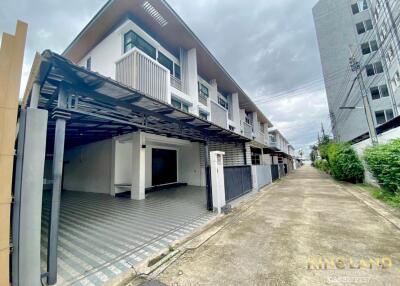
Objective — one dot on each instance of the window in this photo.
(223, 102)
(360, 28)
(131, 39)
(383, 116)
(255, 156)
(375, 68)
(375, 92)
(166, 62)
(248, 118)
(177, 71)
(378, 92)
(368, 25)
(203, 115)
(203, 90)
(361, 5)
(231, 128)
(179, 105)
(369, 47)
(380, 117)
(89, 63)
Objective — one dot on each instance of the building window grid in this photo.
(383, 116)
(363, 27)
(375, 68)
(359, 6)
(179, 104)
(369, 47)
(378, 92)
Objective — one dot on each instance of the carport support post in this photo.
(138, 166)
(58, 157)
(208, 178)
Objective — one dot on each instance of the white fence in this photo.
(261, 175)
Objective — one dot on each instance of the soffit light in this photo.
(154, 14)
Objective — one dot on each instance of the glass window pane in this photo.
(375, 92)
(360, 28)
(378, 67)
(185, 107)
(384, 91)
(374, 46)
(177, 71)
(146, 47)
(389, 114)
(368, 25)
(166, 62)
(369, 69)
(354, 8)
(175, 103)
(380, 117)
(365, 48)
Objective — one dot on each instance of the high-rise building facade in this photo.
(368, 31)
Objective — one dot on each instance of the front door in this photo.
(164, 167)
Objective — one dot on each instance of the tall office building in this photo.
(368, 31)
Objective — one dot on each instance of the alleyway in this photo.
(270, 243)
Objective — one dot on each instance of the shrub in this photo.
(322, 165)
(384, 163)
(344, 163)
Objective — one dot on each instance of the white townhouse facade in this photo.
(138, 132)
(367, 30)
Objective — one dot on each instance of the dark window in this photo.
(131, 39)
(203, 115)
(378, 67)
(231, 128)
(179, 105)
(223, 102)
(380, 117)
(374, 46)
(360, 28)
(355, 9)
(369, 69)
(166, 62)
(89, 64)
(364, 5)
(175, 103)
(177, 71)
(375, 92)
(248, 118)
(203, 90)
(365, 49)
(368, 25)
(255, 156)
(384, 90)
(389, 114)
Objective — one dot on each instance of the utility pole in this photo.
(355, 67)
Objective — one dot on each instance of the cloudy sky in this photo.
(269, 47)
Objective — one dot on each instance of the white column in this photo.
(138, 166)
(191, 79)
(217, 179)
(235, 111)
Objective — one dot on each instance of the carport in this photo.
(86, 108)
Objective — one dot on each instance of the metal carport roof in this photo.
(99, 107)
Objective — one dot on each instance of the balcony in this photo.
(139, 71)
(176, 83)
(203, 100)
(247, 130)
(260, 137)
(219, 115)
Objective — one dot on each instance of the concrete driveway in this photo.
(305, 230)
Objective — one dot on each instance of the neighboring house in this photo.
(281, 153)
(369, 31)
(136, 103)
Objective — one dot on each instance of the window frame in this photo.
(137, 41)
(203, 90)
(166, 62)
(203, 115)
(223, 102)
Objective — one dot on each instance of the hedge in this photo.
(341, 161)
(383, 162)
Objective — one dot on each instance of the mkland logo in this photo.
(340, 262)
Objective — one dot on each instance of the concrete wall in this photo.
(123, 163)
(88, 168)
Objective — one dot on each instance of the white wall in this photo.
(123, 163)
(88, 168)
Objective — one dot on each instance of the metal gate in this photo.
(237, 181)
(275, 172)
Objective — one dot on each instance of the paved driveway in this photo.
(287, 229)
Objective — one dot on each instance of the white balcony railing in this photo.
(261, 138)
(176, 82)
(219, 115)
(203, 100)
(247, 130)
(141, 72)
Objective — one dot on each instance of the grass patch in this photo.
(391, 198)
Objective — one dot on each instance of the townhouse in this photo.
(135, 116)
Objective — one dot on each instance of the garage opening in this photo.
(164, 167)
